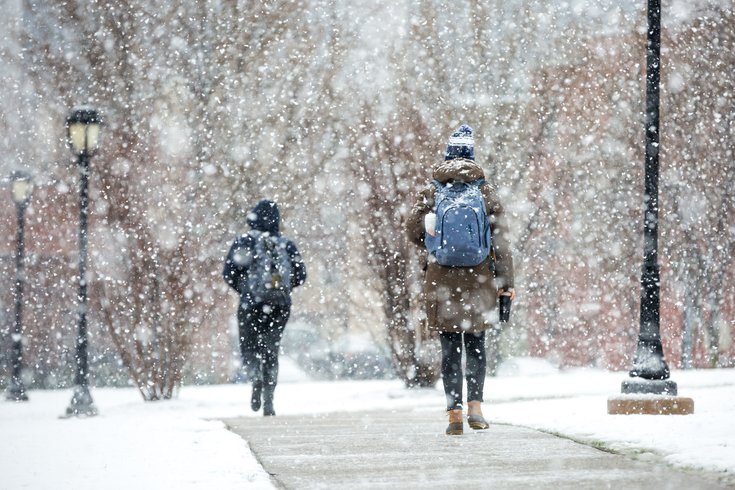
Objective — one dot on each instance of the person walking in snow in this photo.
(462, 283)
(263, 267)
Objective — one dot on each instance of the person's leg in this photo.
(452, 379)
(248, 329)
(251, 331)
(452, 368)
(476, 367)
(277, 319)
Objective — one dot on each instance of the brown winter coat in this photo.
(463, 299)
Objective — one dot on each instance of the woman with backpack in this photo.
(459, 219)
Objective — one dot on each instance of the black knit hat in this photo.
(461, 144)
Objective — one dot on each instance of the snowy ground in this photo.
(180, 444)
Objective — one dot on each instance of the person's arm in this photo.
(237, 262)
(504, 275)
(415, 221)
(298, 277)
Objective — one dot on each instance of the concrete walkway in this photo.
(409, 450)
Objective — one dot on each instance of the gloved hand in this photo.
(506, 298)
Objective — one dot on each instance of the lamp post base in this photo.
(649, 360)
(81, 403)
(16, 391)
(649, 405)
(649, 397)
(638, 386)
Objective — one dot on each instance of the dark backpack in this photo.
(269, 274)
(462, 225)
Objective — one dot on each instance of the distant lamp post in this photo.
(21, 187)
(83, 128)
(650, 391)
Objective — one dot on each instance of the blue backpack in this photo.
(462, 225)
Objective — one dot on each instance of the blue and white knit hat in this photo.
(461, 144)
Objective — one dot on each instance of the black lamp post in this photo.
(83, 126)
(21, 187)
(650, 370)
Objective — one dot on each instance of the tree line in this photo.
(337, 112)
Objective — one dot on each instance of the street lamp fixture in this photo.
(21, 187)
(83, 129)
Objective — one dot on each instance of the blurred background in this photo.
(337, 110)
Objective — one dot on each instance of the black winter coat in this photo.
(264, 218)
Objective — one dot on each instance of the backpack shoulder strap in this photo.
(438, 188)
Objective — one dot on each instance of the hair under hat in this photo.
(461, 144)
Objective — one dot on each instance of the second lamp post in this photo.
(21, 187)
(83, 126)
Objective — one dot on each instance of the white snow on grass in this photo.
(130, 445)
(704, 440)
(181, 444)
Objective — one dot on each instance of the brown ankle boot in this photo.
(456, 425)
(475, 419)
(477, 422)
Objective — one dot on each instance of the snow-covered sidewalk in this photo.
(181, 444)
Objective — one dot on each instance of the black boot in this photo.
(268, 401)
(255, 398)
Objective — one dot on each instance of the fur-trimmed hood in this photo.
(459, 169)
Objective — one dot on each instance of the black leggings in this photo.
(474, 344)
(261, 328)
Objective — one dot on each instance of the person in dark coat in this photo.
(459, 300)
(261, 322)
